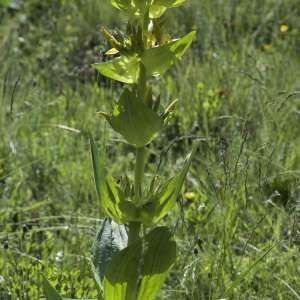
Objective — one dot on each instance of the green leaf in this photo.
(156, 11)
(124, 69)
(98, 165)
(106, 187)
(159, 256)
(185, 169)
(110, 197)
(130, 211)
(127, 266)
(169, 3)
(165, 197)
(161, 201)
(134, 120)
(132, 7)
(121, 276)
(158, 59)
(50, 291)
(111, 238)
(122, 4)
(158, 7)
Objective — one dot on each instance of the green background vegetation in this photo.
(238, 222)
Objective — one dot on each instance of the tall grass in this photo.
(238, 225)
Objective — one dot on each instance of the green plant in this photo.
(134, 266)
(132, 255)
(236, 213)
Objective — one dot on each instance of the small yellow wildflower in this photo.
(190, 196)
(284, 28)
(267, 46)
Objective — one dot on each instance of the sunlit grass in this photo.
(238, 222)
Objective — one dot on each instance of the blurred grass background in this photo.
(237, 225)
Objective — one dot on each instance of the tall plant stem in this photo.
(134, 227)
(134, 232)
(139, 173)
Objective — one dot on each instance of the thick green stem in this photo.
(134, 227)
(139, 173)
(134, 232)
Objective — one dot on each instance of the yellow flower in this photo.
(267, 46)
(190, 196)
(284, 28)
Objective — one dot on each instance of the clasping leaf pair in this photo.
(122, 209)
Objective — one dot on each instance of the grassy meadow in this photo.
(237, 224)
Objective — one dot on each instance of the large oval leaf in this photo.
(134, 274)
(121, 276)
(110, 239)
(124, 69)
(158, 59)
(160, 254)
(134, 120)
